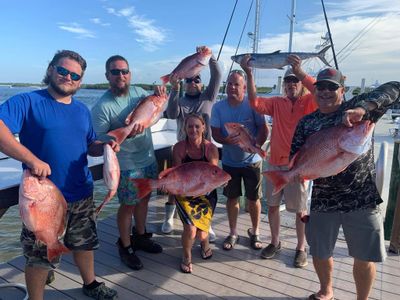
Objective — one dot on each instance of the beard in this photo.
(120, 91)
(60, 90)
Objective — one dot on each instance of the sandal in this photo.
(230, 242)
(206, 254)
(255, 241)
(315, 297)
(186, 266)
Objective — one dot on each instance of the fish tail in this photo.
(165, 79)
(56, 250)
(107, 199)
(278, 180)
(321, 55)
(120, 134)
(143, 185)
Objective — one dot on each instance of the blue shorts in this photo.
(127, 191)
(363, 232)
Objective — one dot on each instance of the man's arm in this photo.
(219, 138)
(307, 80)
(211, 92)
(372, 105)
(97, 147)
(173, 100)
(11, 147)
(262, 134)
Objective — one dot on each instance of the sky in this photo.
(155, 35)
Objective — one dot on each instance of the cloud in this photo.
(77, 29)
(97, 21)
(149, 36)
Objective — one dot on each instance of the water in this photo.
(10, 223)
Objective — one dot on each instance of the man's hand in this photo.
(160, 90)
(137, 129)
(232, 139)
(39, 168)
(295, 63)
(114, 145)
(244, 64)
(174, 80)
(352, 116)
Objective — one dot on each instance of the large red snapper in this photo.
(325, 153)
(191, 65)
(246, 141)
(43, 210)
(111, 172)
(147, 113)
(190, 179)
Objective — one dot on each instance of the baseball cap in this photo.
(289, 73)
(331, 75)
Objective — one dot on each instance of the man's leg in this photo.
(232, 208)
(168, 224)
(300, 232)
(324, 269)
(140, 214)
(140, 240)
(35, 278)
(274, 224)
(124, 222)
(364, 275)
(255, 212)
(84, 260)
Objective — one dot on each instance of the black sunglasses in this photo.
(291, 79)
(64, 72)
(327, 86)
(195, 80)
(117, 72)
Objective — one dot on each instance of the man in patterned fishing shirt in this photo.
(349, 199)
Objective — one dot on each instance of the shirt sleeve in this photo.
(13, 112)
(101, 123)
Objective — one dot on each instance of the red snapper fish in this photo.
(43, 210)
(147, 113)
(191, 179)
(191, 65)
(325, 153)
(246, 141)
(111, 173)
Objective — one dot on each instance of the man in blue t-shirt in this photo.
(238, 163)
(56, 135)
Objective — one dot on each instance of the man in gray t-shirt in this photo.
(194, 100)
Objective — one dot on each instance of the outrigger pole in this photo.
(330, 36)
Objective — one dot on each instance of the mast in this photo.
(256, 27)
(292, 19)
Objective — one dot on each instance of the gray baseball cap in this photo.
(289, 73)
(331, 75)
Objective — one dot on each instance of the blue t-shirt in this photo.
(58, 134)
(222, 113)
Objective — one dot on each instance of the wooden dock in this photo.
(236, 274)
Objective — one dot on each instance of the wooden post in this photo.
(392, 218)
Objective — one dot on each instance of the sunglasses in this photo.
(64, 72)
(195, 80)
(291, 79)
(240, 72)
(327, 86)
(117, 72)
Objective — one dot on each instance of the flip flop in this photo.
(186, 267)
(230, 242)
(206, 254)
(314, 297)
(255, 241)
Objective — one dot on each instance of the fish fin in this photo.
(321, 55)
(143, 185)
(291, 162)
(281, 68)
(120, 134)
(276, 52)
(165, 79)
(166, 172)
(278, 180)
(57, 250)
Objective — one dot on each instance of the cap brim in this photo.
(328, 80)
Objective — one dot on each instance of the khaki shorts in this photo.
(252, 179)
(80, 234)
(363, 231)
(295, 194)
